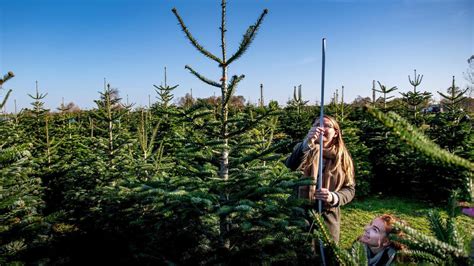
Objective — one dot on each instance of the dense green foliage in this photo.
(142, 186)
(205, 183)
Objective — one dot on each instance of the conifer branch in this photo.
(233, 84)
(247, 39)
(164, 88)
(437, 226)
(251, 124)
(5, 99)
(359, 253)
(195, 112)
(194, 41)
(452, 233)
(38, 96)
(6, 77)
(202, 78)
(384, 89)
(428, 244)
(341, 257)
(417, 80)
(417, 140)
(421, 256)
(455, 99)
(256, 155)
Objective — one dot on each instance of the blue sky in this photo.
(70, 46)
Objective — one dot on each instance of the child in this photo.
(376, 239)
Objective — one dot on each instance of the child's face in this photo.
(374, 234)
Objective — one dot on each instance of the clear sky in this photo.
(70, 46)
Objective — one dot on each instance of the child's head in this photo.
(377, 233)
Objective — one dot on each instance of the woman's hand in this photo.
(323, 194)
(313, 135)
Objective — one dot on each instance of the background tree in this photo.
(186, 101)
(361, 101)
(297, 102)
(23, 228)
(415, 100)
(165, 92)
(384, 90)
(453, 100)
(109, 113)
(338, 108)
(298, 117)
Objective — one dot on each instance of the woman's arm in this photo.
(294, 160)
(309, 143)
(344, 195)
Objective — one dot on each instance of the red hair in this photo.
(391, 230)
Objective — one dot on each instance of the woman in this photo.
(376, 239)
(338, 186)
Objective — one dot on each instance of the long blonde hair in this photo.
(342, 161)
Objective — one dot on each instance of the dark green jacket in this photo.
(383, 258)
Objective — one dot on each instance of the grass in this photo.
(359, 213)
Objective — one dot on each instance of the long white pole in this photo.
(321, 124)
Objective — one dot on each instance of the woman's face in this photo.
(374, 234)
(330, 132)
